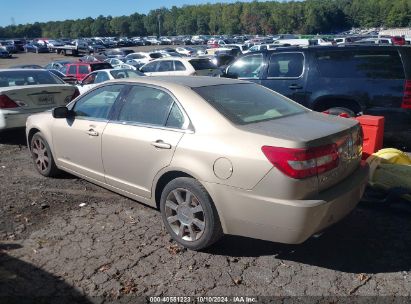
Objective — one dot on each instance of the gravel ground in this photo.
(115, 248)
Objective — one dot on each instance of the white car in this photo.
(114, 61)
(139, 58)
(97, 77)
(186, 51)
(175, 66)
(27, 91)
(124, 66)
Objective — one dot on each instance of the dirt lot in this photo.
(115, 248)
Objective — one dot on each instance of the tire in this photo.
(192, 222)
(341, 111)
(42, 157)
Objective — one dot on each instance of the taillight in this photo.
(305, 162)
(406, 100)
(75, 94)
(7, 103)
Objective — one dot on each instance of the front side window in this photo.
(101, 77)
(98, 103)
(90, 79)
(72, 70)
(248, 103)
(288, 65)
(149, 67)
(146, 105)
(247, 67)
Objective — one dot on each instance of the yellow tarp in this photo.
(390, 168)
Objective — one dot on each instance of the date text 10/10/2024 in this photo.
(205, 299)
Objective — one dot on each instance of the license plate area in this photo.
(44, 100)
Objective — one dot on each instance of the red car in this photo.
(397, 40)
(79, 70)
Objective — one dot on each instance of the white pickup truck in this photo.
(77, 47)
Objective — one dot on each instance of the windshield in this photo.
(248, 103)
(28, 77)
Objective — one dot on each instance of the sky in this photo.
(30, 11)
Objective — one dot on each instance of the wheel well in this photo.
(325, 104)
(164, 180)
(31, 134)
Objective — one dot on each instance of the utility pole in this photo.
(159, 25)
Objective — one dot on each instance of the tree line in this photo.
(299, 17)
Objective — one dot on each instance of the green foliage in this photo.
(270, 17)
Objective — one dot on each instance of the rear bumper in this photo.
(247, 214)
(10, 119)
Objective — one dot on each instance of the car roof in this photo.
(351, 46)
(18, 68)
(186, 81)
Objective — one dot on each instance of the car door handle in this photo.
(92, 132)
(295, 87)
(161, 144)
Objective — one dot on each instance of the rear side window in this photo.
(179, 66)
(202, 64)
(288, 65)
(73, 70)
(83, 69)
(248, 103)
(165, 66)
(374, 64)
(146, 105)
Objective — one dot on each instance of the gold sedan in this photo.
(216, 156)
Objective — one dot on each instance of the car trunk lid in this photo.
(39, 96)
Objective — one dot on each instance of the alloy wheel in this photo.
(40, 155)
(185, 214)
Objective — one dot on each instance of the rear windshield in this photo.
(100, 66)
(202, 64)
(375, 64)
(248, 103)
(27, 77)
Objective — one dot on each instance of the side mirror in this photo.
(79, 82)
(62, 112)
(228, 74)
